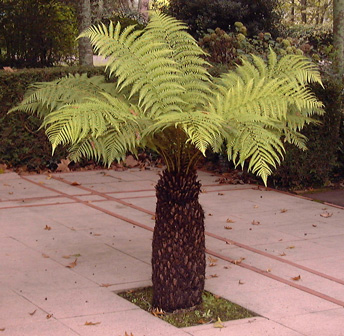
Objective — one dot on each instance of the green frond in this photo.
(43, 98)
(91, 119)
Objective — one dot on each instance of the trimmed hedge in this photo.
(21, 143)
(315, 166)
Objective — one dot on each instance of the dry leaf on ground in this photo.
(282, 254)
(49, 316)
(241, 282)
(228, 220)
(212, 260)
(75, 184)
(220, 194)
(297, 278)
(73, 264)
(45, 255)
(228, 227)
(283, 210)
(106, 285)
(33, 313)
(254, 222)
(214, 276)
(157, 312)
(48, 228)
(126, 334)
(218, 324)
(326, 214)
(2, 329)
(91, 323)
(63, 166)
(238, 261)
(290, 247)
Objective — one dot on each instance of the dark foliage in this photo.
(201, 15)
(21, 144)
(315, 166)
(36, 33)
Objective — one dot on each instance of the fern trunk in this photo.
(178, 256)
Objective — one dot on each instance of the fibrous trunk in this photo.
(178, 257)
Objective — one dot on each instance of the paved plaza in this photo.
(71, 241)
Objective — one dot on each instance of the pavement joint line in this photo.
(238, 244)
(215, 254)
(277, 278)
(33, 205)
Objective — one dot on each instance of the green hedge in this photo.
(21, 144)
(315, 166)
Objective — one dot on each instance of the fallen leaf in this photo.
(73, 264)
(225, 267)
(41, 182)
(214, 276)
(91, 323)
(218, 324)
(97, 234)
(280, 239)
(228, 228)
(126, 334)
(282, 254)
(283, 210)
(220, 194)
(290, 247)
(131, 162)
(212, 260)
(48, 177)
(212, 265)
(204, 191)
(201, 321)
(241, 282)
(157, 312)
(210, 214)
(228, 220)
(45, 255)
(297, 278)
(326, 214)
(153, 218)
(238, 261)
(8, 69)
(106, 285)
(254, 222)
(314, 225)
(268, 270)
(48, 228)
(66, 257)
(75, 184)
(255, 206)
(2, 329)
(49, 316)
(63, 166)
(33, 313)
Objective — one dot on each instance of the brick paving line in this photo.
(215, 254)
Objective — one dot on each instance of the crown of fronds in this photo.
(162, 89)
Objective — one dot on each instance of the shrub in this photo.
(21, 143)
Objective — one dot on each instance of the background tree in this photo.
(165, 100)
(36, 33)
(201, 15)
(338, 35)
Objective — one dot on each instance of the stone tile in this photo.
(65, 303)
(136, 322)
(246, 327)
(49, 327)
(324, 323)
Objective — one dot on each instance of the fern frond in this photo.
(43, 98)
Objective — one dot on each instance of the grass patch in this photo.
(213, 308)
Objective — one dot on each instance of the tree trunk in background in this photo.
(178, 256)
(292, 11)
(85, 20)
(303, 11)
(338, 35)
